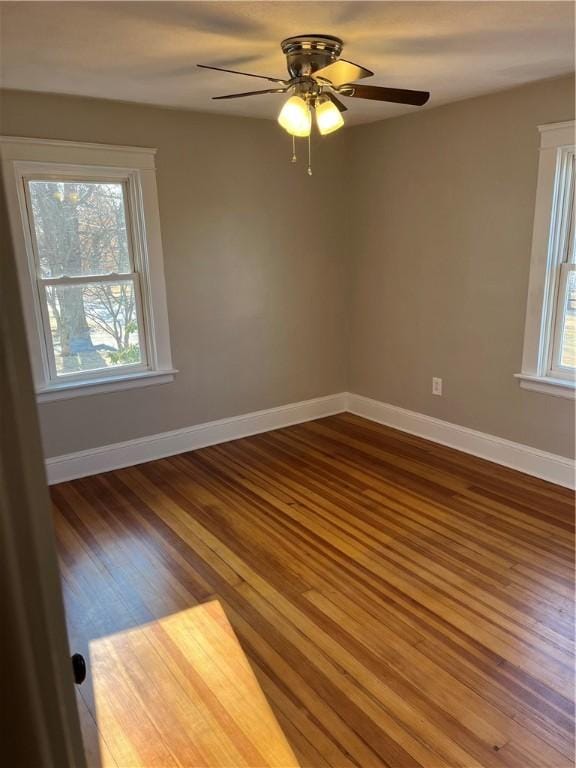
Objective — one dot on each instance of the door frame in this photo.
(43, 727)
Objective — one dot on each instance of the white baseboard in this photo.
(107, 457)
(548, 466)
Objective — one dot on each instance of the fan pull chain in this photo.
(309, 156)
(293, 158)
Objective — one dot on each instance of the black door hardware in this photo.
(79, 668)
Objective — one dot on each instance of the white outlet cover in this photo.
(436, 386)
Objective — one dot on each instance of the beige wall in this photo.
(442, 222)
(253, 260)
(413, 236)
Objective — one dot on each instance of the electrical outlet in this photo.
(436, 386)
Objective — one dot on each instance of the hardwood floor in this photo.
(179, 691)
(402, 604)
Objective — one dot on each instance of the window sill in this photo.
(558, 387)
(78, 389)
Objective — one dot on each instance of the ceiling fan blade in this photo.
(337, 103)
(246, 74)
(251, 93)
(397, 95)
(341, 72)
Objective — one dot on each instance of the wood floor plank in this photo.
(440, 577)
(402, 604)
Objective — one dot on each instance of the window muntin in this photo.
(88, 284)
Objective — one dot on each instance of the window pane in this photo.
(80, 227)
(94, 326)
(568, 348)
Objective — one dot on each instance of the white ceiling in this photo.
(147, 51)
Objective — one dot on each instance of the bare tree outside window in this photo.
(81, 232)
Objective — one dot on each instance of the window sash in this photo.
(69, 177)
(559, 252)
(556, 369)
(92, 374)
(565, 211)
(562, 230)
(44, 331)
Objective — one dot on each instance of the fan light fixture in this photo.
(295, 117)
(317, 78)
(328, 117)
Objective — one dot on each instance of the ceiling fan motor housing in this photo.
(306, 54)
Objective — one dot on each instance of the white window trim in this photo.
(548, 240)
(22, 157)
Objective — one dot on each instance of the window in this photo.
(86, 229)
(549, 360)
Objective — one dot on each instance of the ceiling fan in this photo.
(318, 77)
